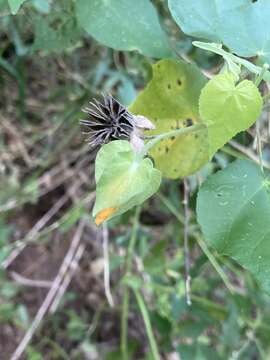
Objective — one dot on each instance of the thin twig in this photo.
(35, 230)
(18, 141)
(186, 247)
(30, 282)
(106, 258)
(250, 154)
(51, 293)
(68, 277)
(53, 176)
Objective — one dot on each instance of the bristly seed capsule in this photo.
(109, 120)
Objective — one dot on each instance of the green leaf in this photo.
(227, 108)
(239, 24)
(15, 5)
(198, 18)
(230, 328)
(124, 25)
(122, 180)
(233, 210)
(170, 101)
(196, 351)
(42, 5)
(4, 8)
(57, 31)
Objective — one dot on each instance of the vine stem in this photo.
(258, 138)
(147, 324)
(202, 245)
(259, 145)
(214, 263)
(260, 76)
(177, 132)
(186, 247)
(126, 295)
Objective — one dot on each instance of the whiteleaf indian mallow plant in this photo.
(182, 118)
(178, 124)
(193, 118)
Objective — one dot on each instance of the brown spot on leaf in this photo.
(189, 122)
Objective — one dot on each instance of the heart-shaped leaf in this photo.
(227, 108)
(239, 24)
(124, 25)
(170, 101)
(122, 180)
(233, 209)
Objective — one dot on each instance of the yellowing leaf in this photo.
(170, 101)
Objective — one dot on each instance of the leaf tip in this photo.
(103, 215)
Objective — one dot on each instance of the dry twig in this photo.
(52, 292)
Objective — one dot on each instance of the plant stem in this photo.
(258, 138)
(125, 304)
(202, 244)
(171, 208)
(124, 324)
(215, 264)
(186, 247)
(147, 324)
(261, 74)
(182, 131)
(259, 145)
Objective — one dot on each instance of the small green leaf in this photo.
(227, 108)
(15, 5)
(124, 25)
(170, 101)
(122, 180)
(233, 209)
(233, 61)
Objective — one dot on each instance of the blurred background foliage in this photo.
(49, 69)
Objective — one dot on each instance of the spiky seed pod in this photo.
(107, 121)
